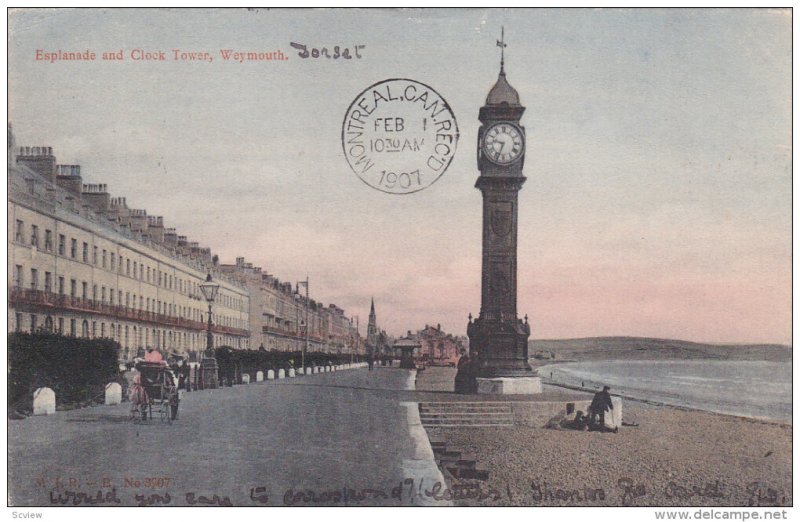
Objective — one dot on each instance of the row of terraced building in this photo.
(84, 264)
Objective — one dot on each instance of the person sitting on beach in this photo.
(601, 402)
(562, 422)
(580, 422)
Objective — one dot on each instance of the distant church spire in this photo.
(372, 327)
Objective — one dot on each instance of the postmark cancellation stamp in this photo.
(399, 136)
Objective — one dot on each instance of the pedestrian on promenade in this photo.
(461, 373)
(473, 367)
(138, 397)
(370, 362)
(183, 375)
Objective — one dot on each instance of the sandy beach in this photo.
(674, 457)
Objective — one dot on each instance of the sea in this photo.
(756, 389)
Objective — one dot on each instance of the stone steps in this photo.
(465, 414)
(457, 465)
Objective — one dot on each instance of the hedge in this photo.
(76, 369)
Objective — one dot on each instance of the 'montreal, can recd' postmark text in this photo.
(399, 136)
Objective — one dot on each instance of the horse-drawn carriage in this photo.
(154, 390)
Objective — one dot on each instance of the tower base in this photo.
(509, 386)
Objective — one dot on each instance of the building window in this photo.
(128, 267)
(85, 252)
(72, 327)
(48, 240)
(18, 277)
(73, 287)
(84, 288)
(119, 301)
(111, 295)
(102, 329)
(104, 258)
(35, 236)
(103, 294)
(48, 282)
(62, 244)
(18, 321)
(19, 231)
(112, 261)
(94, 256)
(61, 325)
(61, 285)
(85, 328)
(48, 324)
(33, 323)
(134, 269)
(73, 248)
(34, 278)
(94, 329)
(127, 299)
(94, 294)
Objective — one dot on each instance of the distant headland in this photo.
(646, 348)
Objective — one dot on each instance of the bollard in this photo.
(44, 401)
(292, 372)
(259, 376)
(113, 393)
(246, 378)
(281, 373)
(270, 375)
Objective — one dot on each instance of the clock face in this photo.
(503, 143)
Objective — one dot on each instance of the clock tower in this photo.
(498, 335)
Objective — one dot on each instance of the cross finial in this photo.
(501, 43)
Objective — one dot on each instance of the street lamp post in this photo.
(208, 366)
(305, 348)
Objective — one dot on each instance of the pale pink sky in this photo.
(658, 200)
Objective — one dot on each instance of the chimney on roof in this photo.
(40, 160)
(96, 195)
(69, 177)
(171, 238)
(155, 227)
(139, 220)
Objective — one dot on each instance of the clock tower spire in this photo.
(498, 335)
(501, 43)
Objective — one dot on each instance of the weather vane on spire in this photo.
(501, 43)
